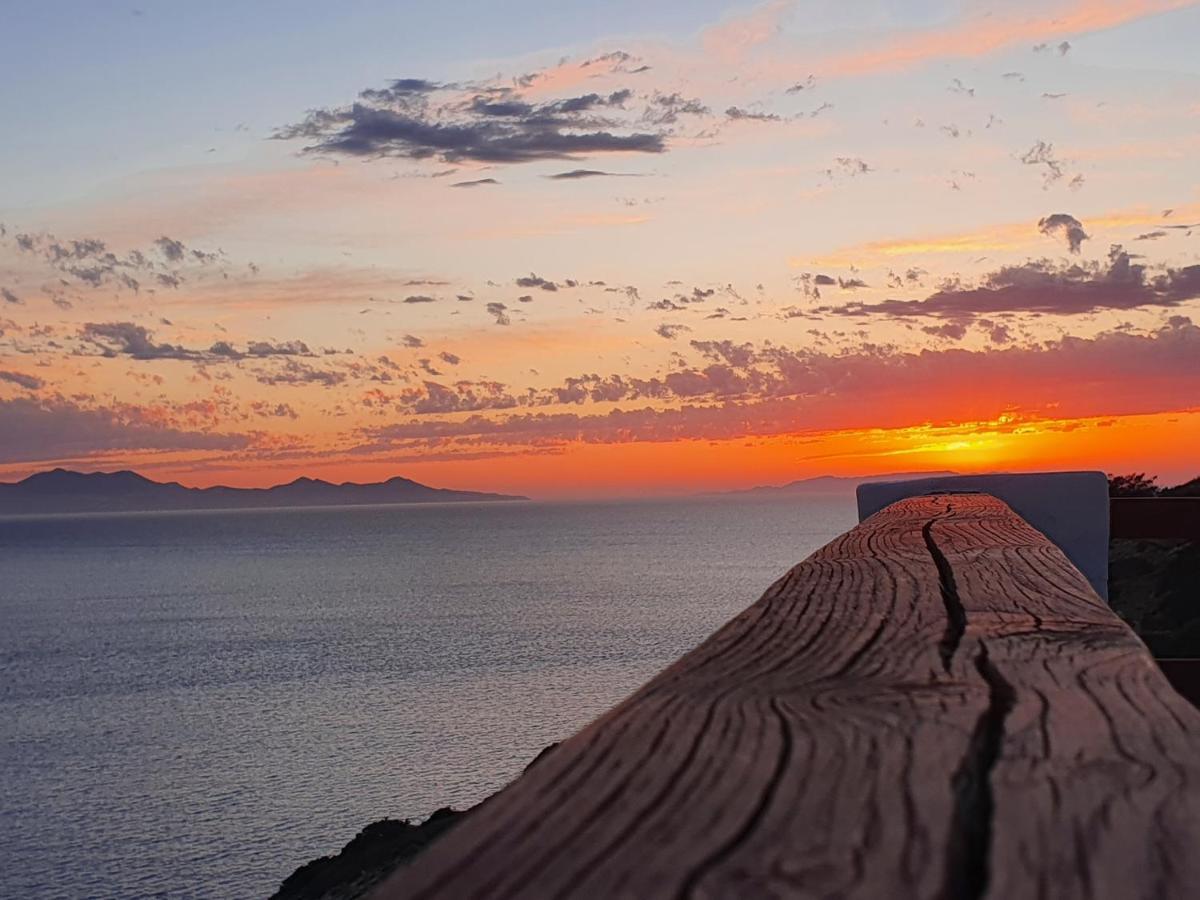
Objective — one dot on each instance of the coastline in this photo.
(374, 853)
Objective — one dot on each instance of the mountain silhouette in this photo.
(62, 490)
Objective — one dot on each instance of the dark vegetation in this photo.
(1154, 585)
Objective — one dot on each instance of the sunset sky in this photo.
(578, 249)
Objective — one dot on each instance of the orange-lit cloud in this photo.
(986, 34)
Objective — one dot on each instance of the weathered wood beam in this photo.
(936, 704)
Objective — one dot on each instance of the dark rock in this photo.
(369, 858)
(373, 854)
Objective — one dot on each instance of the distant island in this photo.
(827, 484)
(63, 491)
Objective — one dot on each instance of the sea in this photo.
(192, 704)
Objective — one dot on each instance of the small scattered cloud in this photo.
(500, 312)
(536, 281)
(578, 174)
(1065, 226)
(670, 332)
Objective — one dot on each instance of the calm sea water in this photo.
(193, 704)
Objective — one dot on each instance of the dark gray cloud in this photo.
(736, 113)
(500, 311)
(419, 298)
(411, 340)
(1044, 287)
(1065, 226)
(173, 250)
(576, 174)
(128, 339)
(417, 119)
(536, 281)
(665, 109)
(9, 297)
(20, 379)
(478, 182)
(296, 373)
(951, 331)
(136, 341)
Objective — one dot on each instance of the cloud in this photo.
(737, 113)
(1044, 287)
(665, 109)
(670, 332)
(56, 428)
(1066, 226)
(499, 310)
(9, 297)
(128, 339)
(20, 379)
(296, 373)
(985, 32)
(536, 281)
(1053, 168)
(173, 250)
(478, 182)
(136, 341)
(419, 298)
(749, 390)
(952, 331)
(576, 174)
(410, 340)
(478, 123)
(91, 262)
(268, 410)
(434, 398)
(847, 166)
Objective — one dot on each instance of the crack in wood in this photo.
(956, 616)
(969, 850)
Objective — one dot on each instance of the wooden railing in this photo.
(936, 704)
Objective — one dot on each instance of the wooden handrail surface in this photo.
(935, 705)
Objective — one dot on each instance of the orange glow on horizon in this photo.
(1162, 443)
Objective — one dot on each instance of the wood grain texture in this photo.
(936, 704)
